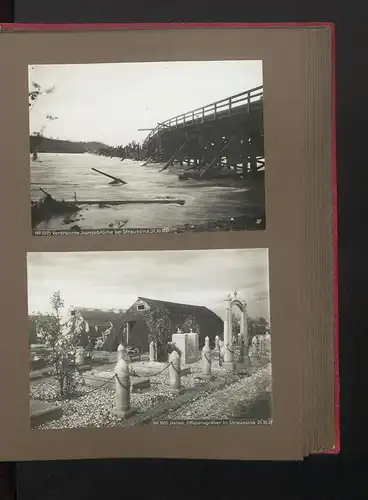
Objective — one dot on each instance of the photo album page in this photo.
(168, 272)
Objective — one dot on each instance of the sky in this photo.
(110, 102)
(114, 280)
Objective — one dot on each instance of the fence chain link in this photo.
(135, 374)
(209, 360)
(121, 383)
(177, 371)
(94, 389)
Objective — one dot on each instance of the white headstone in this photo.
(254, 347)
(188, 345)
(153, 351)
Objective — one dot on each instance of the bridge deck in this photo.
(243, 104)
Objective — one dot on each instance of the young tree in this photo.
(48, 325)
(160, 329)
(34, 92)
(63, 341)
(191, 323)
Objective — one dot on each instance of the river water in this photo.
(67, 175)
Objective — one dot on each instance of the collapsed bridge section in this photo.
(227, 133)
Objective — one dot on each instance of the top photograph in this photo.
(146, 147)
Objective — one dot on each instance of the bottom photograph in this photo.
(127, 338)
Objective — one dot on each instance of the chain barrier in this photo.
(221, 357)
(209, 360)
(135, 374)
(94, 389)
(177, 371)
(230, 351)
(121, 383)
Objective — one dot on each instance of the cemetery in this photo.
(222, 378)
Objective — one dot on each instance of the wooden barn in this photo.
(149, 319)
(98, 321)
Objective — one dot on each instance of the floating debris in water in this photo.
(48, 207)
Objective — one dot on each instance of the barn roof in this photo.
(175, 307)
(100, 317)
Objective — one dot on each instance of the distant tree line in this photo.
(131, 151)
(42, 144)
(49, 145)
(256, 326)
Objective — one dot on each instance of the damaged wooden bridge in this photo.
(226, 135)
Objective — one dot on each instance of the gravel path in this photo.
(226, 403)
(92, 408)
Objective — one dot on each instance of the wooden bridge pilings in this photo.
(225, 133)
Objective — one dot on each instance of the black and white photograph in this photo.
(126, 338)
(146, 147)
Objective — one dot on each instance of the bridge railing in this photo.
(225, 107)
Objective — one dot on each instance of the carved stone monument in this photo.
(188, 345)
(230, 302)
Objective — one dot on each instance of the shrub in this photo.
(63, 341)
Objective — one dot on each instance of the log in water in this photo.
(115, 179)
(126, 202)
